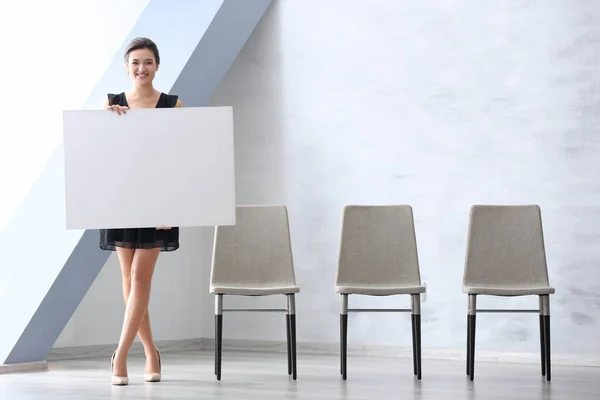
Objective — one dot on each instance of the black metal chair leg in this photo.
(418, 335)
(293, 346)
(468, 345)
(218, 344)
(414, 342)
(547, 346)
(542, 345)
(344, 344)
(341, 345)
(289, 343)
(472, 323)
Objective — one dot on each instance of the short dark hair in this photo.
(142, 43)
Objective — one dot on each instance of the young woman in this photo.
(138, 248)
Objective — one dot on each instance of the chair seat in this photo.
(508, 291)
(253, 291)
(378, 290)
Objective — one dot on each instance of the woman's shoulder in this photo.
(168, 100)
(171, 99)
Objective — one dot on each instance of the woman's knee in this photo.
(140, 275)
(127, 279)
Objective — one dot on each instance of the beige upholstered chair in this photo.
(506, 257)
(254, 258)
(378, 257)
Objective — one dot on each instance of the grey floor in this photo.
(264, 376)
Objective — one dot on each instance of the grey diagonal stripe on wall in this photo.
(198, 41)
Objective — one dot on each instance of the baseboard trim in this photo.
(206, 344)
(106, 350)
(35, 366)
(403, 352)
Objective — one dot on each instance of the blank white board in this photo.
(149, 167)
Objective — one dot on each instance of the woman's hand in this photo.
(163, 228)
(118, 109)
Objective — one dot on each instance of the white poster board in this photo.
(149, 168)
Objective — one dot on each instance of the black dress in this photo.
(141, 238)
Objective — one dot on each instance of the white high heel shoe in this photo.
(117, 380)
(154, 376)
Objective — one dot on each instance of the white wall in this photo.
(61, 66)
(440, 105)
(437, 104)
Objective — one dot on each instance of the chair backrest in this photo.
(505, 247)
(378, 246)
(256, 251)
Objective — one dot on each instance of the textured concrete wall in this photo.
(438, 104)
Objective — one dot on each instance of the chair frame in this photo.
(289, 310)
(544, 317)
(415, 311)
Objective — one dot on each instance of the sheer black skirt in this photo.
(140, 238)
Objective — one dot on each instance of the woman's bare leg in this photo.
(142, 269)
(144, 332)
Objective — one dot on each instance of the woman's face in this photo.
(142, 66)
